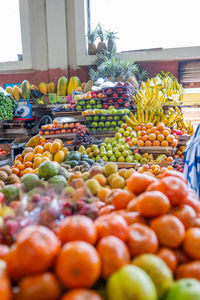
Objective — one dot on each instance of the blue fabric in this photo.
(192, 162)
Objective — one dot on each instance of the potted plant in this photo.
(101, 34)
(92, 49)
(111, 38)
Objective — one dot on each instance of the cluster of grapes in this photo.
(47, 209)
(82, 137)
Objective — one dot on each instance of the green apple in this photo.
(113, 158)
(139, 133)
(102, 153)
(99, 106)
(125, 153)
(102, 118)
(101, 124)
(129, 159)
(116, 118)
(121, 159)
(96, 152)
(130, 152)
(92, 101)
(99, 129)
(120, 111)
(107, 123)
(129, 129)
(109, 118)
(126, 133)
(120, 122)
(96, 118)
(118, 135)
(130, 282)
(89, 106)
(94, 147)
(109, 153)
(89, 118)
(114, 144)
(133, 134)
(121, 130)
(143, 160)
(184, 289)
(117, 127)
(103, 145)
(113, 123)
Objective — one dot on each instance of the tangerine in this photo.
(169, 258)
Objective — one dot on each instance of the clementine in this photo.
(137, 183)
(112, 224)
(191, 244)
(186, 214)
(78, 265)
(113, 253)
(81, 294)
(169, 229)
(189, 270)
(169, 258)
(142, 239)
(120, 198)
(152, 204)
(5, 284)
(76, 228)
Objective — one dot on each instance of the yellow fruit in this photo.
(55, 147)
(38, 155)
(48, 155)
(38, 149)
(45, 159)
(28, 171)
(35, 171)
(37, 161)
(47, 146)
(65, 150)
(34, 141)
(61, 143)
(27, 150)
(43, 88)
(29, 157)
(59, 156)
(6, 211)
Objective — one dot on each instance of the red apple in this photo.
(115, 95)
(128, 139)
(124, 125)
(125, 95)
(57, 132)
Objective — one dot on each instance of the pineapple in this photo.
(101, 45)
(88, 86)
(92, 49)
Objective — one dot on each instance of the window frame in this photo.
(26, 63)
(160, 54)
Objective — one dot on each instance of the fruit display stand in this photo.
(6, 158)
(157, 150)
(124, 165)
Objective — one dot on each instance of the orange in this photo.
(156, 143)
(77, 227)
(157, 132)
(170, 231)
(106, 209)
(145, 137)
(161, 126)
(131, 217)
(149, 125)
(186, 214)
(170, 138)
(169, 258)
(138, 128)
(142, 239)
(112, 225)
(142, 133)
(166, 132)
(152, 137)
(137, 183)
(160, 137)
(44, 247)
(81, 294)
(153, 129)
(148, 144)
(191, 245)
(113, 253)
(140, 143)
(152, 204)
(19, 157)
(120, 198)
(103, 193)
(43, 286)
(164, 144)
(5, 284)
(180, 256)
(14, 269)
(4, 250)
(189, 270)
(78, 265)
(170, 158)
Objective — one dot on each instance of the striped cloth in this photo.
(192, 162)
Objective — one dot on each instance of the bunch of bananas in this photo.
(145, 116)
(163, 89)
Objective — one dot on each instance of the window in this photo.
(10, 31)
(144, 24)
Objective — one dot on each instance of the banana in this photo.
(138, 116)
(130, 122)
(146, 116)
(142, 115)
(135, 120)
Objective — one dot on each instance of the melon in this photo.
(51, 87)
(26, 89)
(74, 83)
(62, 86)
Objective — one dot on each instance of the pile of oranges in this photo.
(149, 135)
(154, 169)
(158, 216)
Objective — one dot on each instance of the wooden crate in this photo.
(5, 147)
(126, 165)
